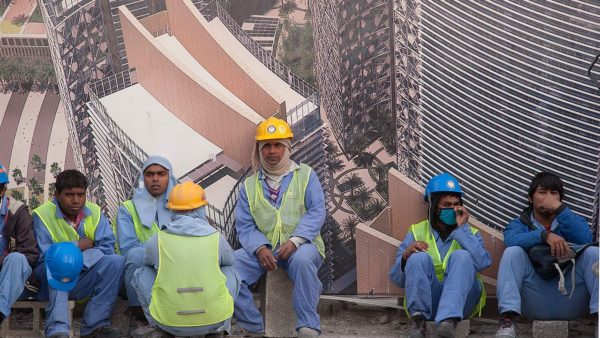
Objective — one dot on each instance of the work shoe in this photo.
(446, 328)
(105, 332)
(305, 332)
(59, 335)
(148, 331)
(416, 326)
(237, 330)
(507, 328)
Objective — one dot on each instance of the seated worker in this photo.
(70, 218)
(521, 290)
(18, 250)
(279, 215)
(140, 218)
(438, 262)
(188, 284)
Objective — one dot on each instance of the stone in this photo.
(276, 305)
(462, 329)
(550, 328)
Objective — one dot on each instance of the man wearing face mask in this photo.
(139, 218)
(279, 216)
(438, 261)
(521, 290)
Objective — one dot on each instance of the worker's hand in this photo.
(416, 246)
(266, 259)
(286, 250)
(85, 243)
(558, 246)
(462, 215)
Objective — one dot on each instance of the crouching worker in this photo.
(438, 261)
(188, 285)
(69, 218)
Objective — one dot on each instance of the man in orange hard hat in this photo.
(279, 216)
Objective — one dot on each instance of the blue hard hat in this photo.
(443, 182)
(64, 263)
(3, 175)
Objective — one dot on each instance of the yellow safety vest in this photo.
(190, 288)
(60, 230)
(142, 232)
(422, 232)
(278, 225)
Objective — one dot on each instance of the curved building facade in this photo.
(505, 94)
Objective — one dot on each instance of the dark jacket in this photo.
(572, 227)
(18, 231)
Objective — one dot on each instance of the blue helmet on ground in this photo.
(443, 182)
(3, 175)
(64, 263)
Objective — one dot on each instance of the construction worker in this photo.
(18, 250)
(279, 215)
(70, 218)
(140, 218)
(438, 261)
(521, 290)
(188, 284)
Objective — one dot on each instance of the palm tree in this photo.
(335, 165)
(36, 162)
(363, 196)
(354, 181)
(17, 175)
(350, 226)
(375, 208)
(17, 195)
(35, 188)
(55, 169)
(364, 159)
(381, 170)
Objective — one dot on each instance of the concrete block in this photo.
(37, 330)
(276, 305)
(462, 329)
(550, 329)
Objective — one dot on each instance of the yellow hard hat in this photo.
(186, 196)
(273, 129)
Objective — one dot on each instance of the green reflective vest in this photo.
(278, 225)
(422, 232)
(190, 288)
(60, 230)
(142, 233)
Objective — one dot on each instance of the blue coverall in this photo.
(521, 290)
(101, 278)
(302, 266)
(459, 292)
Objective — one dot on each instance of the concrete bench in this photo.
(276, 304)
(462, 329)
(36, 329)
(550, 328)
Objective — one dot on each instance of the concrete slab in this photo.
(550, 329)
(276, 305)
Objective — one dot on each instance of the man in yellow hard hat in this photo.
(279, 216)
(188, 284)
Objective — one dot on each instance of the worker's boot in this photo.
(447, 328)
(508, 328)
(416, 326)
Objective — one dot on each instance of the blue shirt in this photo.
(104, 241)
(3, 213)
(308, 228)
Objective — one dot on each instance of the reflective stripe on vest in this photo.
(190, 288)
(278, 225)
(60, 230)
(422, 232)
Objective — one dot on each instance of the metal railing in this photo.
(212, 9)
(114, 83)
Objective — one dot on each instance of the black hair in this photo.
(71, 178)
(547, 180)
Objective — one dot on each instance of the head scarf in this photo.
(278, 169)
(148, 207)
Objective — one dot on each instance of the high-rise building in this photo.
(492, 92)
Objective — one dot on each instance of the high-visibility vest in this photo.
(422, 232)
(190, 288)
(142, 232)
(278, 225)
(60, 230)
